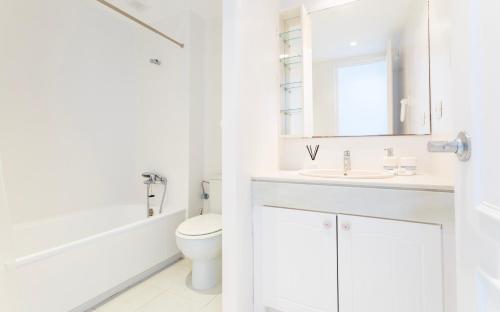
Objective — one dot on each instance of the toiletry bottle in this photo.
(407, 166)
(391, 162)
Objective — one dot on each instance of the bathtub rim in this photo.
(23, 261)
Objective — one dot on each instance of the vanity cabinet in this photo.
(324, 262)
(299, 260)
(389, 266)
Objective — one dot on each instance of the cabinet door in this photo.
(389, 266)
(299, 260)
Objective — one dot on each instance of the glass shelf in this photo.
(295, 34)
(291, 85)
(289, 111)
(290, 60)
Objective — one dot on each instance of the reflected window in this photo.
(362, 104)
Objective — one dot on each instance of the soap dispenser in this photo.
(391, 162)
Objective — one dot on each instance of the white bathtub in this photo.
(72, 263)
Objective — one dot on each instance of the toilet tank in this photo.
(215, 199)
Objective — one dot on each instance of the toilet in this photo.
(200, 239)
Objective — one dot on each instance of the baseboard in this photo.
(93, 303)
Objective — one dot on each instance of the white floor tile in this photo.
(177, 280)
(171, 276)
(214, 306)
(167, 291)
(186, 291)
(131, 299)
(169, 302)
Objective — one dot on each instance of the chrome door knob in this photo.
(461, 146)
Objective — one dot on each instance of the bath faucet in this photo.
(347, 162)
(153, 178)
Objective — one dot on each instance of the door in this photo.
(299, 263)
(389, 266)
(476, 72)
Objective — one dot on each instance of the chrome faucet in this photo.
(347, 162)
(153, 178)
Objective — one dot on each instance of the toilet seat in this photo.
(201, 227)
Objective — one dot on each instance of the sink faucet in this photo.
(347, 162)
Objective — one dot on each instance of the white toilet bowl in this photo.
(200, 239)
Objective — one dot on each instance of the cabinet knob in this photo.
(327, 224)
(346, 226)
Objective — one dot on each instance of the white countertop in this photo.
(416, 182)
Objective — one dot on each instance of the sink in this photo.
(351, 174)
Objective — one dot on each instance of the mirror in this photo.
(370, 71)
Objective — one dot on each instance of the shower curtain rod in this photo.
(138, 21)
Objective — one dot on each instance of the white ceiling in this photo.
(369, 23)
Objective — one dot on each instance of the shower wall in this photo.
(212, 95)
(83, 112)
(210, 73)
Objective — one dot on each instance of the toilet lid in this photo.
(201, 225)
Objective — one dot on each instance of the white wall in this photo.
(212, 106)
(414, 81)
(84, 112)
(250, 110)
(196, 119)
(443, 126)
(212, 95)
(5, 247)
(324, 97)
(368, 152)
(5, 224)
(205, 117)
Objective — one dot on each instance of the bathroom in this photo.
(200, 156)
(97, 103)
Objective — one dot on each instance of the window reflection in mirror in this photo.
(371, 68)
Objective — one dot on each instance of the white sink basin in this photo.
(352, 174)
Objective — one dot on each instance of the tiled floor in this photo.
(167, 291)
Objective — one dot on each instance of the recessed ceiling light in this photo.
(353, 43)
